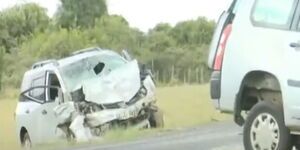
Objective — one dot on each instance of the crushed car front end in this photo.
(106, 90)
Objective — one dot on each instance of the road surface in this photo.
(216, 136)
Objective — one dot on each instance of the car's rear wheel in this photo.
(265, 129)
(26, 142)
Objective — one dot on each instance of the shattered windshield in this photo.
(95, 66)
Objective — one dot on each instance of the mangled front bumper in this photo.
(125, 110)
(121, 114)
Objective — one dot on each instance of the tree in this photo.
(1, 65)
(109, 32)
(159, 38)
(20, 21)
(195, 32)
(178, 54)
(80, 13)
(162, 27)
(55, 44)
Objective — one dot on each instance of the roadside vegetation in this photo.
(176, 54)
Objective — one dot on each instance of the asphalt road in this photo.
(216, 136)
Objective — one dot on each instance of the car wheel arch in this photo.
(23, 131)
(256, 86)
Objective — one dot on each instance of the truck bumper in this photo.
(215, 87)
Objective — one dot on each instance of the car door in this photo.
(43, 117)
(29, 105)
(275, 40)
(47, 121)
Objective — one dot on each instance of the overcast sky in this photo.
(145, 14)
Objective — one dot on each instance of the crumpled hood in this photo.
(119, 85)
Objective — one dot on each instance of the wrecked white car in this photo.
(83, 96)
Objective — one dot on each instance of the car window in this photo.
(53, 82)
(273, 13)
(38, 93)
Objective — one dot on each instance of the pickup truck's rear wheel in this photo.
(265, 129)
(297, 142)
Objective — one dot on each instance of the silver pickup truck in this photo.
(254, 58)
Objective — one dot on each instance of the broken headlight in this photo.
(139, 95)
(114, 105)
(88, 107)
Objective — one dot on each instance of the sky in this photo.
(145, 14)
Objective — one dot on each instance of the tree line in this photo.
(176, 54)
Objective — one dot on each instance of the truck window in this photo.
(273, 13)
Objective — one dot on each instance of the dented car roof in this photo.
(78, 57)
(56, 65)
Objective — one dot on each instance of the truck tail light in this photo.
(221, 47)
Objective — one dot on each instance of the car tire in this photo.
(26, 142)
(156, 119)
(265, 128)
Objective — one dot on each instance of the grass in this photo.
(8, 140)
(187, 106)
(183, 106)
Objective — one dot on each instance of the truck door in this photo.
(292, 73)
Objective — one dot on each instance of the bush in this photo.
(14, 66)
(55, 44)
(175, 54)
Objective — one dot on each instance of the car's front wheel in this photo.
(156, 118)
(26, 142)
(265, 129)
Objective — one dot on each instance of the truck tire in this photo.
(297, 147)
(296, 140)
(265, 129)
(156, 119)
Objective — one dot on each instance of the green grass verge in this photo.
(8, 101)
(183, 106)
(187, 106)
